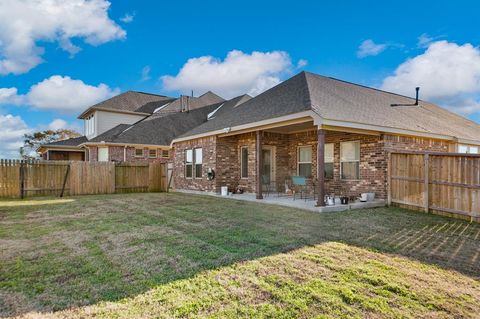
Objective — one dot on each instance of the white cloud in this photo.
(24, 23)
(60, 93)
(447, 73)
(11, 139)
(10, 96)
(370, 48)
(424, 40)
(127, 18)
(66, 94)
(301, 63)
(57, 124)
(146, 73)
(237, 74)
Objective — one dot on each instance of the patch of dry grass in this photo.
(178, 255)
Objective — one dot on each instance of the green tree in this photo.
(34, 140)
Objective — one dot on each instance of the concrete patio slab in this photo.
(288, 201)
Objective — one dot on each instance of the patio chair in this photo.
(300, 185)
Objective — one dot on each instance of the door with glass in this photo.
(268, 166)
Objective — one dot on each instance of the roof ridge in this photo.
(309, 102)
(362, 85)
(148, 93)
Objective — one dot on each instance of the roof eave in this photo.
(104, 143)
(106, 109)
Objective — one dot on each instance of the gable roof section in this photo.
(75, 141)
(157, 129)
(130, 101)
(336, 100)
(150, 107)
(208, 98)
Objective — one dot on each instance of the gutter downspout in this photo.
(125, 153)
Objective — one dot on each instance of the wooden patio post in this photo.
(259, 164)
(321, 167)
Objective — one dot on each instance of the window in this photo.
(102, 154)
(198, 163)
(305, 161)
(139, 152)
(329, 161)
(90, 125)
(350, 160)
(244, 162)
(189, 163)
(165, 153)
(468, 149)
(152, 153)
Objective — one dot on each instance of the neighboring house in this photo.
(333, 132)
(65, 150)
(109, 126)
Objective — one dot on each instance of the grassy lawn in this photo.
(178, 255)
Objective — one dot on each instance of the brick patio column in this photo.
(321, 167)
(259, 164)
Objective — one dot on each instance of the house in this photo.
(133, 126)
(333, 132)
(64, 150)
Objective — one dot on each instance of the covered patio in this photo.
(267, 164)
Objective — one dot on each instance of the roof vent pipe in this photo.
(414, 104)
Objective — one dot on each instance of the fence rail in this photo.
(19, 178)
(442, 183)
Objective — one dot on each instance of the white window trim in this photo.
(359, 157)
(191, 164)
(241, 162)
(150, 156)
(139, 156)
(298, 158)
(194, 169)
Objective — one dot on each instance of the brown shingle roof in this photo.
(338, 100)
(130, 101)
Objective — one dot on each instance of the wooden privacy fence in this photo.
(444, 183)
(57, 178)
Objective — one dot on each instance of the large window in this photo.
(90, 125)
(198, 162)
(470, 149)
(189, 163)
(244, 162)
(329, 161)
(350, 160)
(139, 152)
(304, 161)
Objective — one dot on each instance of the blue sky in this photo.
(86, 54)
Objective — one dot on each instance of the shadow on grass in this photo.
(105, 248)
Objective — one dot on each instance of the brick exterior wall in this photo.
(116, 154)
(209, 160)
(223, 155)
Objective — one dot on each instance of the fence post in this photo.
(22, 179)
(426, 174)
(389, 179)
(65, 179)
